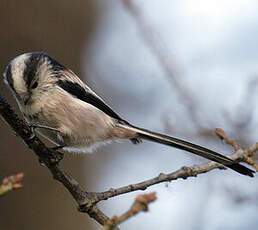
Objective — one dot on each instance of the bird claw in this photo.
(57, 158)
(136, 141)
(53, 159)
(37, 126)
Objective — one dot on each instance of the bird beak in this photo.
(26, 99)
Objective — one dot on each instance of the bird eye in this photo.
(35, 85)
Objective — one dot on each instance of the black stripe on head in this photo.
(8, 76)
(32, 65)
(78, 91)
(35, 60)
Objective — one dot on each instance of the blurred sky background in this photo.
(178, 67)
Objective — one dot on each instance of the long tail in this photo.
(193, 148)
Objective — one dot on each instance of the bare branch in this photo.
(140, 205)
(87, 201)
(223, 136)
(186, 172)
(51, 159)
(248, 154)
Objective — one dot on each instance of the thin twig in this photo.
(248, 153)
(223, 136)
(140, 205)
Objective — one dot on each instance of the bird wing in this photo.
(73, 85)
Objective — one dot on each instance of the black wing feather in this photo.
(81, 93)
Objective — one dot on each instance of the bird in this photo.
(63, 109)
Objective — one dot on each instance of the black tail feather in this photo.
(193, 148)
(241, 169)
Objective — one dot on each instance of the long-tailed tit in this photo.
(67, 112)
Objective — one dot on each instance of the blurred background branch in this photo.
(169, 64)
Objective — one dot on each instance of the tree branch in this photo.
(51, 159)
(185, 172)
(140, 205)
(87, 202)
